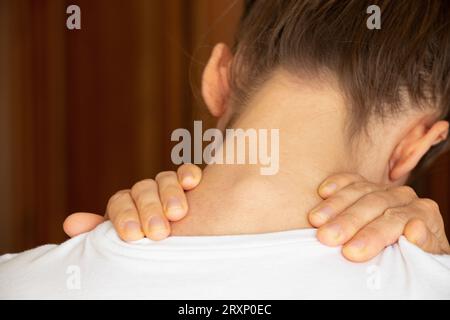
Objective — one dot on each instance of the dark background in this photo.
(84, 113)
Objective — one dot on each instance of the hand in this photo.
(144, 210)
(383, 214)
(365, 217)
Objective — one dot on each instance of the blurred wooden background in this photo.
(87, 112)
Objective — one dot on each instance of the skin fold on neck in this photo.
(237, 199)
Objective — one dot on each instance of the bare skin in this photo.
(311, 113)
(387, 213)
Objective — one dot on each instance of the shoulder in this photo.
(38, 270)
(428, 274)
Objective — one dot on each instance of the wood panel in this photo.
(435, 184)
(36, 120)
(6, 210)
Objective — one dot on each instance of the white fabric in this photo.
(284, 265)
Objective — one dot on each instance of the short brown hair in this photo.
(410, 53)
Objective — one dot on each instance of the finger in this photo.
(428, 211)
(369, 207)
(416, 232)
(189, 176)
(376, 236)
(148, 203)
(172, 195)
(124, 216)
(81, 222)
(340, 201)
(336, 182)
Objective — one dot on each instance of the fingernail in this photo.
(188, 179)
(357, 245)
(323, 214)
(156, 222)
(174, 203)
(157, 226)
(174, 206)
(328, 189)
(334, 231)
(132, 228)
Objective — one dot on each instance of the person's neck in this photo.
(237, 199)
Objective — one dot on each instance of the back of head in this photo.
(383, 72)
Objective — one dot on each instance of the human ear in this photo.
(215, 83)
(410, 150)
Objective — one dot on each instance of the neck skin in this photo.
(237, 199)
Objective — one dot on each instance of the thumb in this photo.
(81, 222)
(418, 233)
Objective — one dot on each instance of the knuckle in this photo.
(431, 214)
(428, 204)
(365, 187)
(119, 215)
(118, 196)
(165, 174)
(393, 214)
(143, 184)
(407, 191)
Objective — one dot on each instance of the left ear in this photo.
(414, 146)
(216, 77)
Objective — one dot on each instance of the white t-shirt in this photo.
(283, 265)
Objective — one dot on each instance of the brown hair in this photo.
(409, 54)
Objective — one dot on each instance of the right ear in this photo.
(216, 80)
